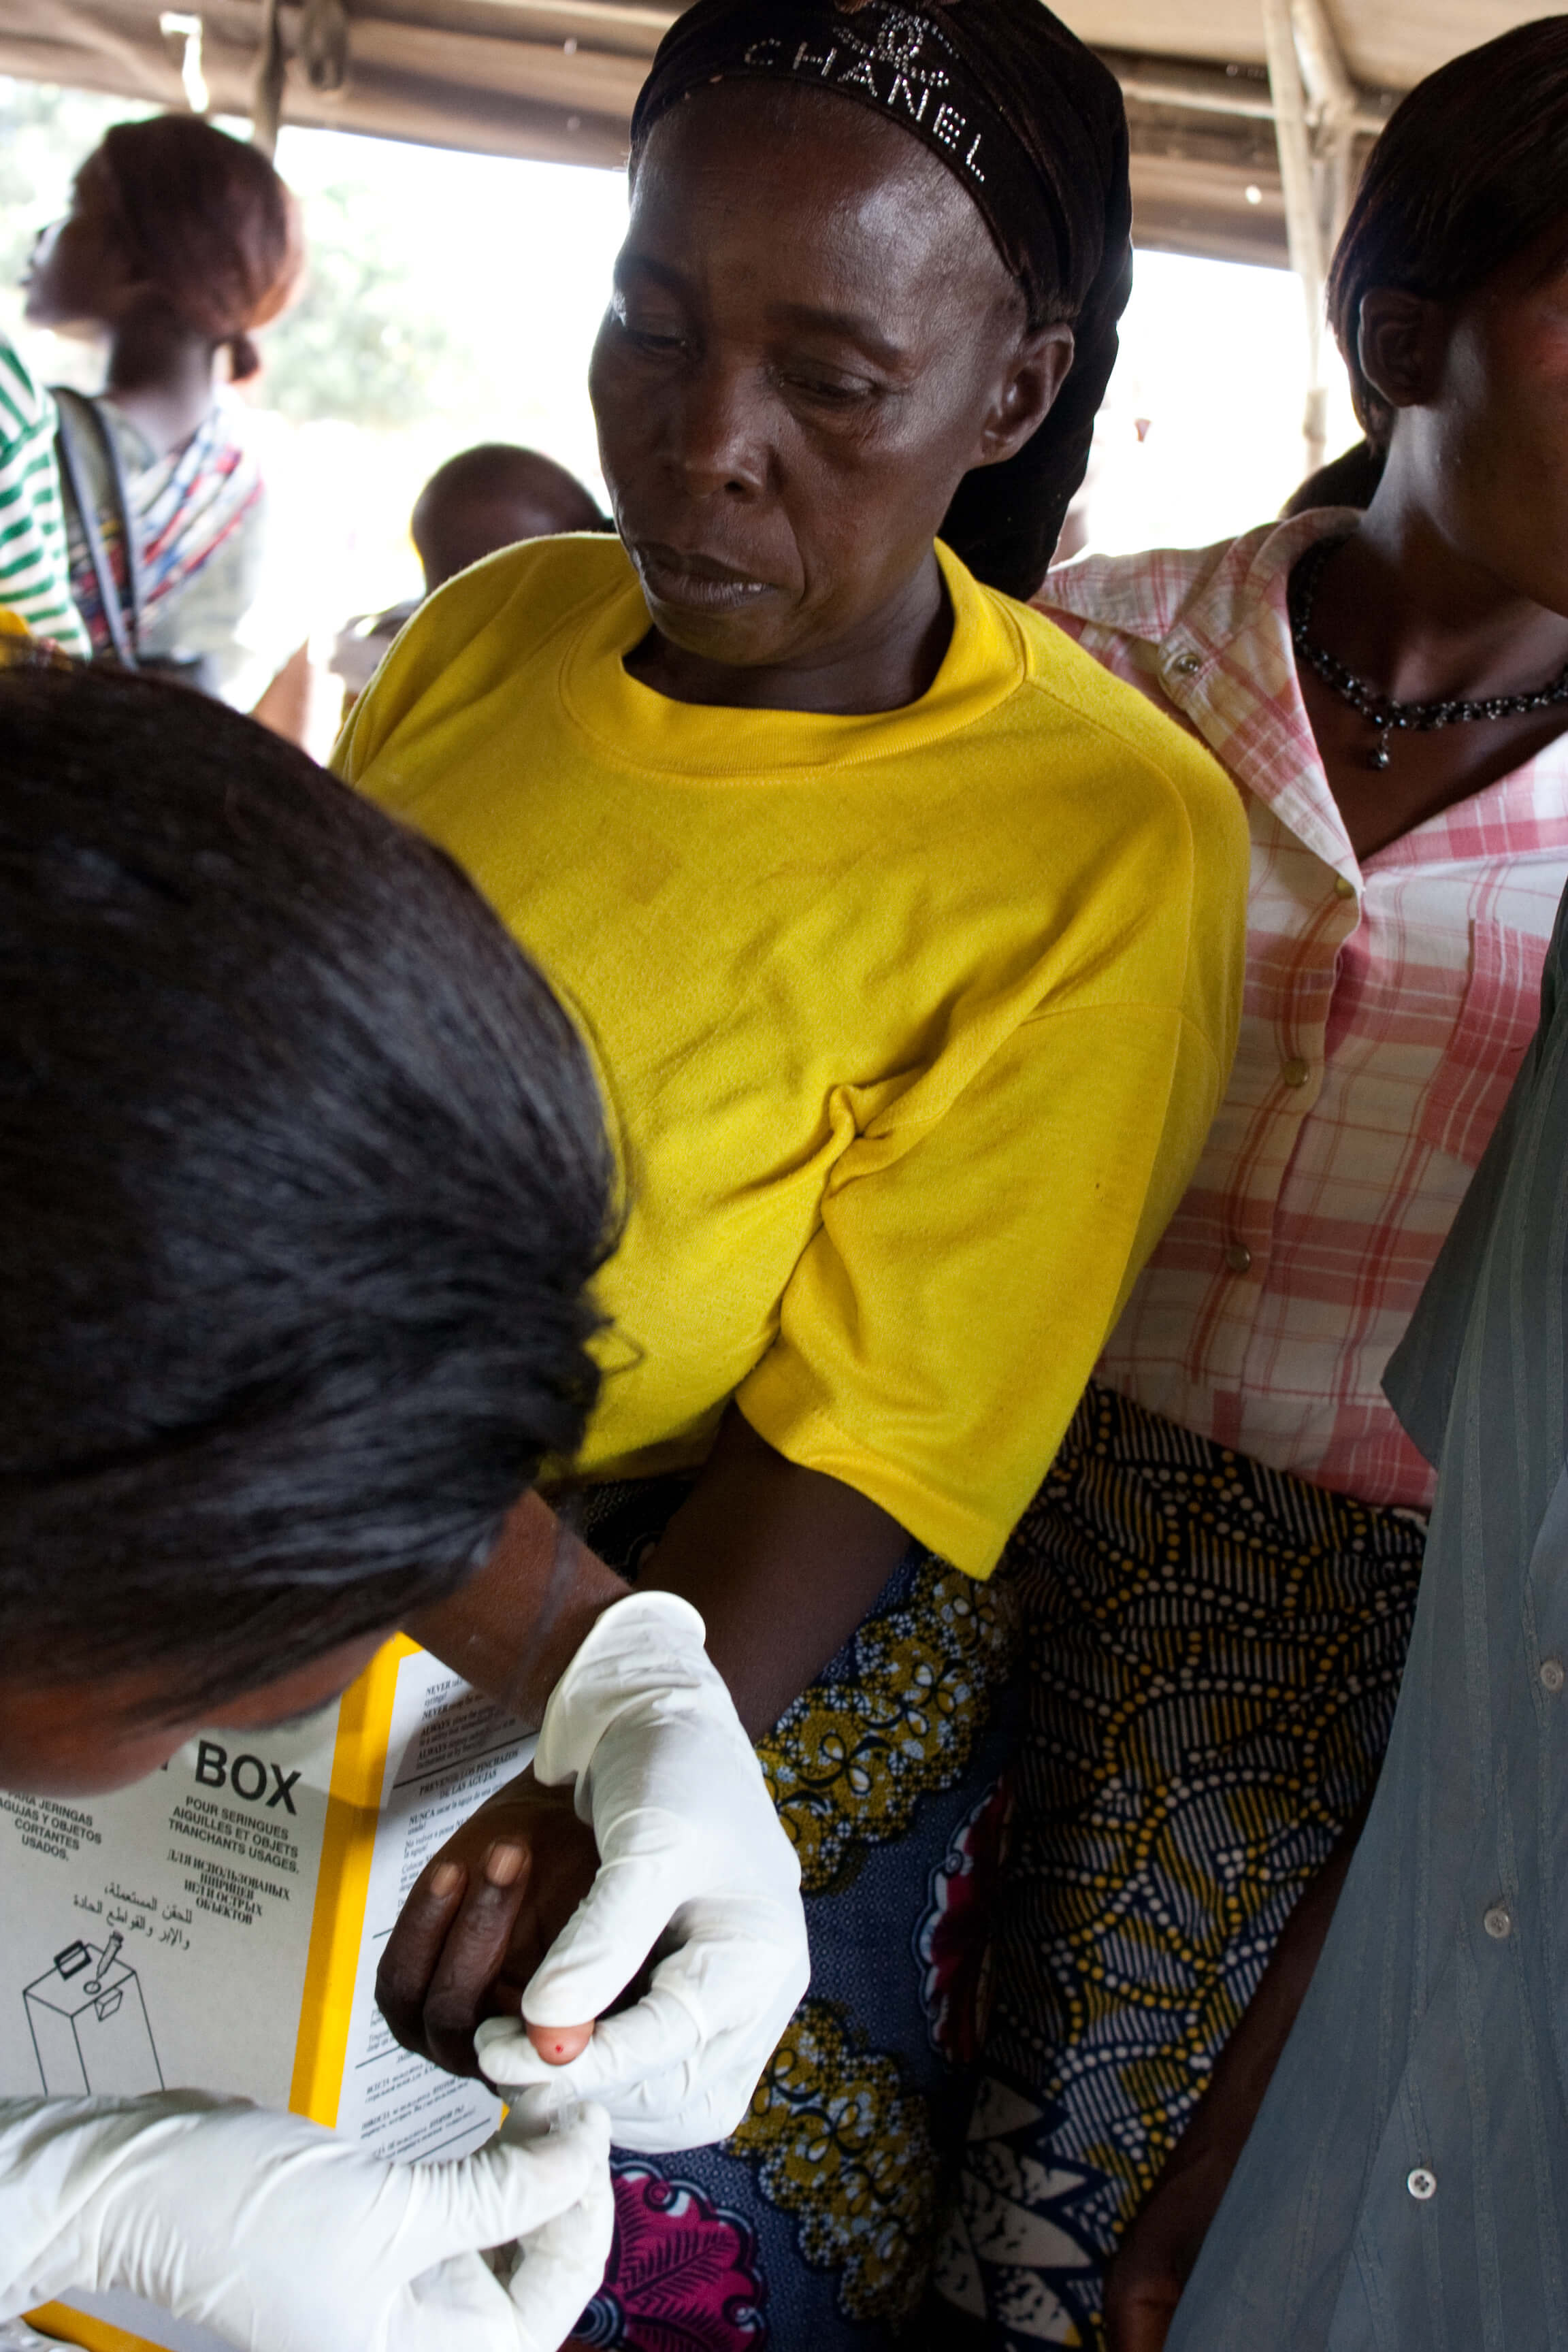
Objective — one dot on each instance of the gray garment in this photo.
(1406, 2187)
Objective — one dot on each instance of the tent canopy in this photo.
(556, 78)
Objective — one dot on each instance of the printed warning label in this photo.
(45, 1826)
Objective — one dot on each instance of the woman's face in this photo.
(76, 279)
(811, 339)
(75, 1738)
(1480, 436)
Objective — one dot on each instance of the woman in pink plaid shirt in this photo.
(1221, 1569)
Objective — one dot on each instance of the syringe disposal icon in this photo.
(94, 1985)
(88, 2025)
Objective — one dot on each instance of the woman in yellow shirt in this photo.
(909, 946)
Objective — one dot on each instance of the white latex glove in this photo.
(692, 1854)
(281, 2236)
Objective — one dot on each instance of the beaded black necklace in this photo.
(1383, 711)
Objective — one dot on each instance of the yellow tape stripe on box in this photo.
(66, 2326)
(337, 1924)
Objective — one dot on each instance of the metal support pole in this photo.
(267, 99)
(1339, 149)
(1303, 229)
(1323, 70)
(1334, 113)
(324, 44)
(175, 25)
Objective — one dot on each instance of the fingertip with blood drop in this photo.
(559, 2044)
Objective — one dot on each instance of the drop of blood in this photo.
(559, 2044)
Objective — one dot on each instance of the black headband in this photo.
(1027, 120)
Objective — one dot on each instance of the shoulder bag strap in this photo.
(80, 422)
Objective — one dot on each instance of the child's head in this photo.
(491, 497)
(303, 1179)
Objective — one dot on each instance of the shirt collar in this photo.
(1216, 625)
(1209, 593)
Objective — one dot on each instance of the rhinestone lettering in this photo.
(900, 45)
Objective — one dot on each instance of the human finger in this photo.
(564, 2262)
(667, 2083)
(473, 1955)
(656, 2035)
(507, 2191)
(564, 1863)
(414, 1948)
(603, 1946)
(559, 2044)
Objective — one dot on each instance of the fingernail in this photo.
(446, 1880)
(503, 1865)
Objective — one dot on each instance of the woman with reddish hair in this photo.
(180, 242)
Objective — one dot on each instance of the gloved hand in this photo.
(692, 1855)
(280, 2237)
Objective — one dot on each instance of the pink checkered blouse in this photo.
(1387, 1007)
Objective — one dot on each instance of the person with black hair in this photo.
(303, 1186)
(1221, 1572)
(907, 943)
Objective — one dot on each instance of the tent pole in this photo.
(267, 98)
(1303, 229)
(1336, 114)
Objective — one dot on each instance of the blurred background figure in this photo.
(489, 498)
(32, 528)
(482, 500)
(180, 242)
(396, 354)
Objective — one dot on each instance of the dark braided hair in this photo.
(1032, 125)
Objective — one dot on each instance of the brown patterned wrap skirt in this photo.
(1213, 1651)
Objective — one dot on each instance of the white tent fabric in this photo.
(556, 77)
(1386, 44)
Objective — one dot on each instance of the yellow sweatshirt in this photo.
(912, 1025)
